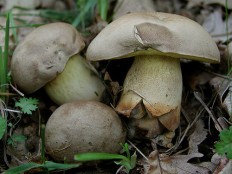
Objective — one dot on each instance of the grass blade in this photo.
(6, 46)
(50, 165)
(103, 6)
(4, 59)
(84, 157)
(2, 71)
(22, 168)
(3, 125)
(85, 10)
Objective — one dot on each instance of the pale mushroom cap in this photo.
(43, 54)
(80, 127)
(156, 33)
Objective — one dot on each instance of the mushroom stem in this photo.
(157, 82)
(76, 83)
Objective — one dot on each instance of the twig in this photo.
(11, 110)
(16, 90)
(217, 125)
(132, 144)
(185, 133)
(219, 75)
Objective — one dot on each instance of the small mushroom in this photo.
(48, 56)
(80, 127)
(153, 85)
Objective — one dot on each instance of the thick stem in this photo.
(157, 81)
(76, 82)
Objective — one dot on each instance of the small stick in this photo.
(217, 125)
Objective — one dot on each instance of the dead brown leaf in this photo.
(199, 134)
(223, 88)
(176, 164)
(215, 24)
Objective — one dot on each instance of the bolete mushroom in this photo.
(153, 85)
(84, 126)
(48, 56)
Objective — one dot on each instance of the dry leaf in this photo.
(197, 137)
(224, 89)
(220, 2)
(194, 3)
(216, 26)
(176, 164)
(227, 169)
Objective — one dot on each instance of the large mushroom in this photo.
(80, 127)
(49, 56)
(153, 85)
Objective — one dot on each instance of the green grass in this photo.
(128, 161)
(82, 16)
(4, 60)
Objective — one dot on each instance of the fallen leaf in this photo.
(194, 3)
(176, 164)
(220, 2)
(227, 169)
(224, 89)
(216, 26)
(199, 134)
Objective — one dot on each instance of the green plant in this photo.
(15, 138)
(27, 105)
(128, 161)
(4, 59)
(46, 166)
(3, 125)
(224, 145)
(82, 16)
(103, 7)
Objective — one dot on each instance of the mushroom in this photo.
(48, 56)
(152, 89)
(83, 126)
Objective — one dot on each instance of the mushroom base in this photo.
(76, 83)
(153, 88)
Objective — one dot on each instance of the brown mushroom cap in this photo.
(80, 127)
(43, 54)
(155, 33)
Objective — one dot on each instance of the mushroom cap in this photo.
(153, 33)
(80, 127)
(43, 54)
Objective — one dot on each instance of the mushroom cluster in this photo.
(49, 57)
(152, 89)
(78, 127)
